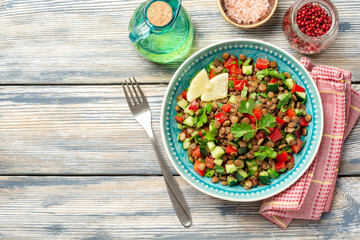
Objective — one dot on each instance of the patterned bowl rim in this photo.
(221, 194)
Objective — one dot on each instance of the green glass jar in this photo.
(161, 30)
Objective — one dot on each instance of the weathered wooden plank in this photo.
(87, 129)
(87, 41)
(139, 207)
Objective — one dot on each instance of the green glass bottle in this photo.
(161, 30)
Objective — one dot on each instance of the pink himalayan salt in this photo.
(247, 11)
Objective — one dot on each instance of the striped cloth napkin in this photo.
(312, 194)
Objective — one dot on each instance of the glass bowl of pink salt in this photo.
(247, 13)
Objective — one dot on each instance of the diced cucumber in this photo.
(298, 112)
(190, 112)
(253, 170)
(240, 175)
(183, 103)
(244, 92)
(230, 168)
(289, 83)
(242, 151)
(217, 152)
(289, 137)
(231, 181)
(218, 162)
(211, 146)
(190, 121)
(264, 177)
(181, 127)
(272, 173)
(301, 96)
(191, 159)
(232, 99)
(186, 144)
(247, 70)
(211, 65)
(195, 133)
(273, 88)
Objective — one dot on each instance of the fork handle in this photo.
(175, 194)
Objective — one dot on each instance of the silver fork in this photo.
(140, 109)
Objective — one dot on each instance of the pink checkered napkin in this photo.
(312, 194)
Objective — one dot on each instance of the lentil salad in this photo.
(250, 136)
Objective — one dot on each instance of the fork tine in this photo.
(126, 95)
(140, 91)
(137, 95)
(131, 94)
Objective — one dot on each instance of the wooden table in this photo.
(73, 161)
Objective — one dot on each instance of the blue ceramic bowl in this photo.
(254, 49)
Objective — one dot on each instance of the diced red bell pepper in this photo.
(303, 122)
(271, 129)
(226, 107)
(257, 113)
(209, 162)
(273, 81)
(211, 74)
(193, 106)
(196, 153)
(233, 69)
(260, 134)
(179, 119)
(230, 149)
(239, 71)
(275, 135)
(297, 147)
(184, 94)
(239, 84)
(282, 157)
(280, 166)
(262, 63)
(196, 168)
(279, 120)
(230, 62)
(221, 117)
(297, 88)
(291, 113)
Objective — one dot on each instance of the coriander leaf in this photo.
(220, 104)
(270, 72)
(243, 129)
(210, 136)
(203, 117)
(268, 121)
(265, 152)
(209, 173)
(247, 62)
(249, 135)
(247, 106)
(264, 95)
(231, 84)
(283, 99)
(219, 169)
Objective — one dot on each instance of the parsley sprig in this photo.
(247, 132)
(203, 117)
(265, 152)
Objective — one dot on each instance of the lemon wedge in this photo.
(217, 88)
(198, 85)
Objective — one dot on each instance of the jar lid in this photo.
(159, 13)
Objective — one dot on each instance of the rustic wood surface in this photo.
(73, 161)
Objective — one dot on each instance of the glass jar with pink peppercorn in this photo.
(311, 26)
